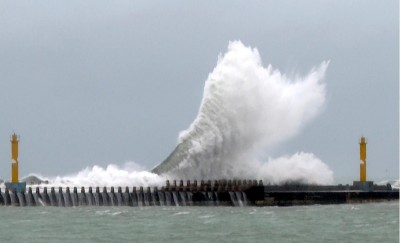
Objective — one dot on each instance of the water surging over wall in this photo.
(247, 108)
(130, 174)
(217, 193)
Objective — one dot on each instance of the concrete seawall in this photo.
(292, 195)
(204, 193)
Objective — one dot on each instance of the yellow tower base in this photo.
(15, 185)
(363, 159)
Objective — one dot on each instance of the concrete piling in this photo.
(7, 198)
(60, 199)
(90, 198)
(82, 198)
(148, 197)
(53, 197)
(67, 198)
(45, 197)
(14, 199)
(134, 197)
(181, 186)
(126, 198)
(105, 197)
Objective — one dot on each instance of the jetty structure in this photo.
(223, 192)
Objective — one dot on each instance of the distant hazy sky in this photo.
(98, 82)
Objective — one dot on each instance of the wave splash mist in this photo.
(247, 108)
(130, 174)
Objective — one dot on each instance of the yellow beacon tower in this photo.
(363, 184)
(363, 159)
(14, 158)
(15, 185)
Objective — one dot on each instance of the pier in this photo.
(210, 193)
(206, 193)
(193, 193)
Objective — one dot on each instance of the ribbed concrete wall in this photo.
(210, 193)
(204, 193)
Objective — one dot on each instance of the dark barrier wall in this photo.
(205, 193)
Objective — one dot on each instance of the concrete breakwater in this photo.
(205, 193)
(210, 193)
(292, 195)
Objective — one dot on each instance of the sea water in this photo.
(371, 222)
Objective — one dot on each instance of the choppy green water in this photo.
(375, 222)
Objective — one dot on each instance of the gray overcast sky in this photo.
(97, 82)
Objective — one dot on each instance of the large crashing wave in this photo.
(247, 108)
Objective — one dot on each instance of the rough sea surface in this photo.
(371, 222)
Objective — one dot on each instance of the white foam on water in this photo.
(130, 174)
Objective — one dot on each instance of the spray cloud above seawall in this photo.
(246, 109)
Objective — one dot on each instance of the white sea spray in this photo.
(246, 109)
